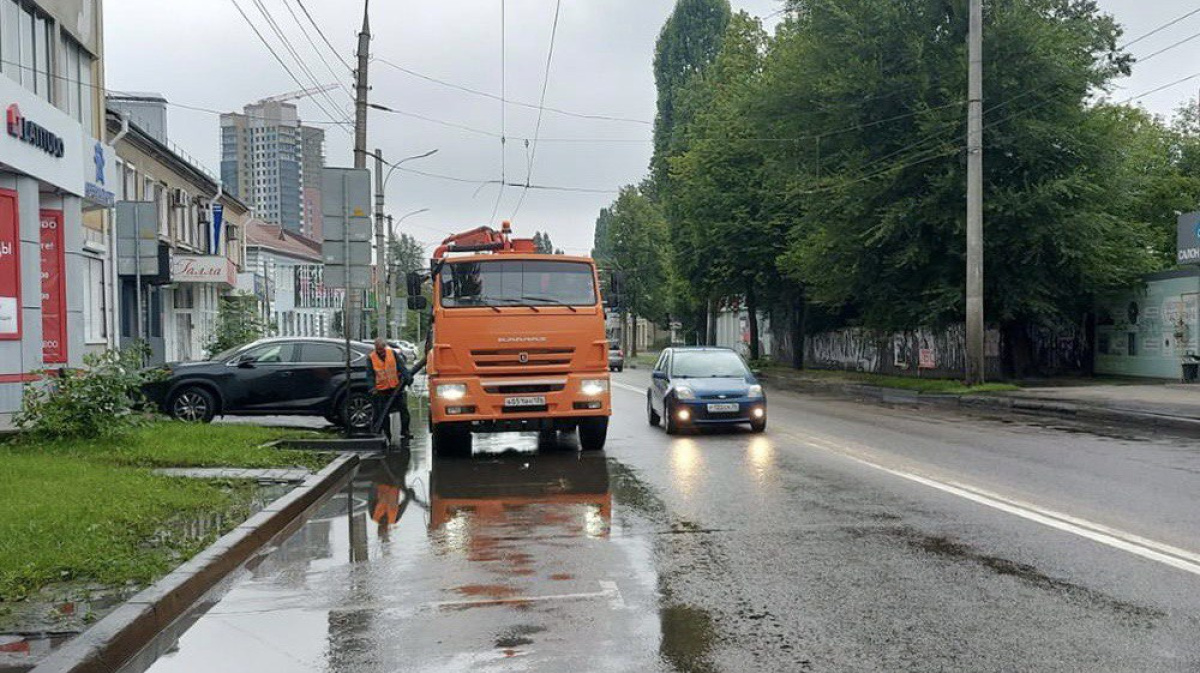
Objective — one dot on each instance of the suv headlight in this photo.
(684, 393)
(755, 391)
(593, 387)
(452, 391)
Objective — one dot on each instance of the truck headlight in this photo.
(452, 391)
(755, 391)
(684, 393)
(592, 387)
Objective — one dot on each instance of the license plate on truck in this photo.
(723, 408)
(525, 401)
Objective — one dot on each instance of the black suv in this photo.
(282, 376)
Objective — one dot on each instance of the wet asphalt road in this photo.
(849, 537)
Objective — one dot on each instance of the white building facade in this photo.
(286, 272)
(56, 175)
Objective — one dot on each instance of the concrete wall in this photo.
(1146, 331)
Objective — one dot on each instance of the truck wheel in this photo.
(450, 439)
(651, 415)
(592, 433)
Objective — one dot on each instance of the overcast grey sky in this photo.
(202, 53)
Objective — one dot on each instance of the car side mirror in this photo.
(756, 372)
(659, 375)
(248, 363)
(417, 302)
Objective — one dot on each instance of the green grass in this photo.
(93, 512)
(921, 385)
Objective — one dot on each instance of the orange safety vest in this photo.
(387, 376)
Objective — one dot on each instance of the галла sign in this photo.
(202, 269)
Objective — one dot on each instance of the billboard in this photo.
(54, 289)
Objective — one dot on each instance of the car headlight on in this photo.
(684, 393)
(755, 391)
(452, 391)
(593, 387)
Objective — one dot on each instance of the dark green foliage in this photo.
(100, 400)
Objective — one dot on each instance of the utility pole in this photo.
(360, 92)
(393, 327)
(380, 250)
(975, 335)
(360, 161)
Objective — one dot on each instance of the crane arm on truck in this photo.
(485, 239)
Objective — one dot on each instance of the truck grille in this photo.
(512, 357)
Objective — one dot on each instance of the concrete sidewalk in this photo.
(1164, 405)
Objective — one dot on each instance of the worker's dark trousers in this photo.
(399, 404)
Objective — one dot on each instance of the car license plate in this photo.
(528, 401)
(723, 408)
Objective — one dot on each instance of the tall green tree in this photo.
(636, 233)
(870, 97)
(718, 183)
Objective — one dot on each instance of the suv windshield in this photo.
(517, 282)
(711, 364)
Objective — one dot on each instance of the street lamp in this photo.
(381, 189)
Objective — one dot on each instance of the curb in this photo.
(115, 639)
(1021, 405)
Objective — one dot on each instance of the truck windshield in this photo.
(517, 282)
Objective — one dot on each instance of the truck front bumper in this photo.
(534, 403)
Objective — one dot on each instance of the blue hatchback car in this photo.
(702, 386)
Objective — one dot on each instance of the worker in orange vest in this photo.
(387, 373)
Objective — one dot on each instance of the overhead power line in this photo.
(287, 44)
(503, 92)
(502, 99)
(1159, 29)
(320, 32)
(537, 129)
(275, 54)
(337, 77)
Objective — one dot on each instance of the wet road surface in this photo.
(849, 537)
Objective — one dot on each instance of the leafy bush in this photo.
(238, 323)
(102, 400)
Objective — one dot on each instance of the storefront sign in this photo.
(1188, 238)
(29, 132)
(10, 267)
(203, 269)
(54, 290)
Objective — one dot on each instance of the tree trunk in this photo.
(1018, 357)
(799, 328)
(752, 310)
(633, 343)
(714, 314)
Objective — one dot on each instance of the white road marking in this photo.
(615, 600)
(1173, 556)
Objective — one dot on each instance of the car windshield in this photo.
(708, 364)
(517, 282)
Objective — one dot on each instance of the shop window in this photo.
(95, 298)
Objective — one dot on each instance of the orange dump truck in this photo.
(517, 342)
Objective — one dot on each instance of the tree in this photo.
(238, 323)
(718, 183)
(601, 251)
(407, 254)
(873, 185)
(635, 236)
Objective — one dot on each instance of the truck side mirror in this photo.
(417, 302)
(413, 281)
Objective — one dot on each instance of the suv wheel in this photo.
(193, 405)
(360, 410)
(651, 414)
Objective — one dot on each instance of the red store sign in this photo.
(10, 267)
(54, 289)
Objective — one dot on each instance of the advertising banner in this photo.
(203, 269)
(10, 267)
(54, 289)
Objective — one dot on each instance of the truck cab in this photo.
(517, 342)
